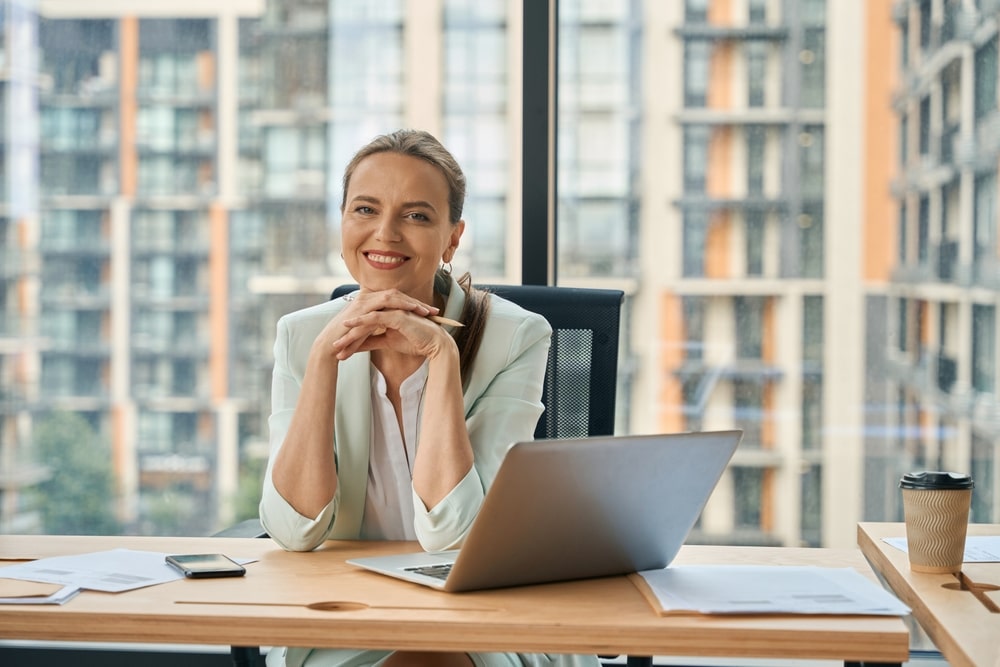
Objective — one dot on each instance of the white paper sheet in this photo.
(769, 589)
(111, 571)
(64, 594)
(978, 548)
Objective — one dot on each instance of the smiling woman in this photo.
(394, 234)
(386, 424)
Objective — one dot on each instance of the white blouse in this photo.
(389, 499)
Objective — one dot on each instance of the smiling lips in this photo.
(381, 261)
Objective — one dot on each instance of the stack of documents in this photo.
(13, 591)
(765, 589)
(56, 580)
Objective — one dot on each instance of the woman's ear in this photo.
(456, 235)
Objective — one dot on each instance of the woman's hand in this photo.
(386, 320)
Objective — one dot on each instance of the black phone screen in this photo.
(206, 565)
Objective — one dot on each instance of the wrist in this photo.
(322, 357)
(445, 355)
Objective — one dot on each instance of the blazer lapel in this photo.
(353, 436)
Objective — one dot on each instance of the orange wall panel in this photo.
(720, 12)
(218, 306)
(720, 74)
(767, 500)
(127, 104)
(880, 135)
(768, 355)
(717, 244)
(925, 323)
(672, 337)
(767, 403)
(205, 67)
(718, 179)
(768, 352)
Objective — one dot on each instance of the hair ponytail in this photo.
(475, 312)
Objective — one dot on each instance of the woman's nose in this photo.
(387, 229)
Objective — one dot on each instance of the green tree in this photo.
(79, 497)
(248, 492)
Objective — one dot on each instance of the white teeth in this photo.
(385, 259)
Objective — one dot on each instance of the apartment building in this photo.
(944, 289)
(807, 243)
(19, 261)
(734, 272)
(135, 249)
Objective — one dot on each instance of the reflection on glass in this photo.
(170, 187)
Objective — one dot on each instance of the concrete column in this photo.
(844, 359)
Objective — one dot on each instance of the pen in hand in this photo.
(433, 318)
(444, 320)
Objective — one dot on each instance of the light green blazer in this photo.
(502, 406)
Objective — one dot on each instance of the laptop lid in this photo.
(579, 508)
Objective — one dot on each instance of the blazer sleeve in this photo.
(283, 522)
(503, 404)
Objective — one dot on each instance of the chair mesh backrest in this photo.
(581, 379)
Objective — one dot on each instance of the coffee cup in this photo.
(936, 512)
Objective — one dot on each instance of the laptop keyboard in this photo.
(436, 571)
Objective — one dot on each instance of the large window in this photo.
(171, 186)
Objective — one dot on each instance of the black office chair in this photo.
(580, 378)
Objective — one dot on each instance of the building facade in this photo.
(21, 263)
(808, 243)
(942, 300)
(136, 195)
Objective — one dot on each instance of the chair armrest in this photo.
(248, 528)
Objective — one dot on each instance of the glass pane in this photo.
(173, 187)
(753, 256)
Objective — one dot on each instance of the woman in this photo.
(386, 424)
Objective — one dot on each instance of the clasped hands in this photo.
(387, 319)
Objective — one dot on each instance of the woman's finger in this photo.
(391, 300)
(402, 331)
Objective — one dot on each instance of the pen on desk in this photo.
(444, 320)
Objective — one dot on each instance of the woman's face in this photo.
(395, 230)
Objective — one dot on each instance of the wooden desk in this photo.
(962, 626)
(316, 599)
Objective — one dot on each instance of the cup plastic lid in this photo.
(935, 480)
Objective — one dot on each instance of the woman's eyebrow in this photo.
(420, 203)
(417, 203)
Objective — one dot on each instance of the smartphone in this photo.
(202, 566)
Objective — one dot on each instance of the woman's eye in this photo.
(364, 210)
(419, 216)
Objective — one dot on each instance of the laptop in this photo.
(575, 509)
